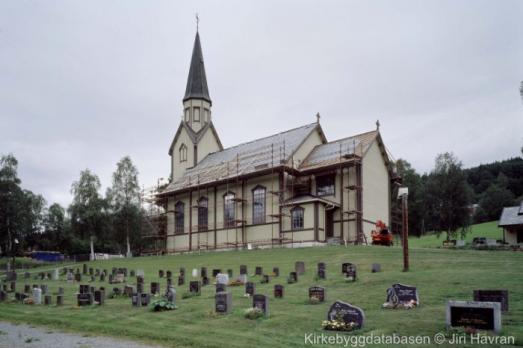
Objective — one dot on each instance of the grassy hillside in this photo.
(439, 275)
(487, 229)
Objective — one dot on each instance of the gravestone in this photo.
(321, 265)
(181, 280)
(472, 314)
(500, 296)
(276, 271)
(111, 279)
(85, 299)
(44, 289)
(203, 272)
(250, 288)
(102, 277)
(299, 267)
(205, 281)
(91, 271)
(215, 272)
(222, 278)
(169, 274)
(344, 267)
(402, 294)
(321, 273)
(117, 291)
(60, 291)
(243, 269)
(97, 272)
(132, 273)
(171, 294)
(84, 289)
(139, 287)
(347, 313)
(93, 278)
(351, 274)
(128, 290)
(195, 287)
(278, 291)
(136, 299)
(221, 287)
(60, 300)
(56, 274)
(160, 273)
(223, 302)
(78, 277)
(230, 273)
(265, 279)
(3, 295)
(69, 277)
(27, 288)
(376, 267)
(182, 271)
(169, 282)
(293, 276)
(91, 289)
(261, 302)
(155, 288)
(145, 299)
(84, 269)
(12, 286)
(99, 297)
(140, 279)
(317, 292)
(242, 278)
(48, 299)
(258, 271)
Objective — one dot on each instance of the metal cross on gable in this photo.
(197, 22)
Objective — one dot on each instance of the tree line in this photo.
(106, 223)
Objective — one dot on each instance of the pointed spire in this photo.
(197, 81)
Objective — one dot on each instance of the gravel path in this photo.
(25, 336)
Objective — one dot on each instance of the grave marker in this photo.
(472, 314)
(250, 288)
(278, 291)
(347, 313)
(195, 287)
(243, 269)
(261, 302)
(500, 296)
(223, 302)
(317, 292)
(299, 267)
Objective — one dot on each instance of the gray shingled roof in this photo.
(243, 159)
(511, 216)
(197, 81)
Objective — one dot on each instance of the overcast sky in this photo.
(84, 83)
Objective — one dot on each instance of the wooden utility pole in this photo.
(405, 231)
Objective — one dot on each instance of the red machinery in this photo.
(381, 235)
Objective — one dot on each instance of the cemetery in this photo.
(445, 290)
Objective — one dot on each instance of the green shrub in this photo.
(162, 304)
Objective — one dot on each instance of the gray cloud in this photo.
(84, 83)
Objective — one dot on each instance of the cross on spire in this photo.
(197, 22)
(377, 124)
(318, 116)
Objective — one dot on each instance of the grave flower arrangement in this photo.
(314, 300)
(253, 313)
(338, 324)
(400, 305)
(290, 280)
(236, 282)
(162, 304)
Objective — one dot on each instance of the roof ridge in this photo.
(352, 136)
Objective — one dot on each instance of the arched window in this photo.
(179, 214)
(297, 218)
(229, 210)
(183, 153)
(203, 214)
(258, 205)
(196, 115)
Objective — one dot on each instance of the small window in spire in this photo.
(207, 115)
(187, 115)
(196, 117)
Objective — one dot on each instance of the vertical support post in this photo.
(405, 236)
(215, 212)
(190, 220)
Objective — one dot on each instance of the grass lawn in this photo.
(488, 230)
(439, 274)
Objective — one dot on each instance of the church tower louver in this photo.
(196, 136)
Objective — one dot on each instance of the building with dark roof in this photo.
(511, 221)
(293, 187)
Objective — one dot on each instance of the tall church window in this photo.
(207, 115)
(179, 216)
(196, 115)
(258, 205)
(183, 153)
(187, 114)
(203, 214)
(297, 218)
(229, 210)
(325, 185)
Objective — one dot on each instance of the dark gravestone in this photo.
(84, 269)
(136, 299)
(345, 266)
(85, 299)
(128, 290)
(261, 302)
(265, 279)
(181, 280)
(402, 294)
(91, 271)
(27, 288)
(132, 273)
(278, 291)
(140, 279)
(299, 267)
(145, 299)
(117, 291)
(84, 289)
(321, 265)
(317, 292)
(171, 294)
(91, 289)
(12, 286)
(351, 274)
(102, 277)
(258, 271)
(293, 276)
(205, 281)
(215, 272)
(99, 297)
(243, 269)
(230, 273)
(203, 272)
(169, 282)
(223, 302)
(155, 288)
(48, 300)
(182, 271)
(276, 271)
(376, 267)
(500, 296)
(110, 278)
(78, 277)
(347, 313)
(471, 314)
(221, 287)
(195, 287)
(60, 300)
(160, 273)
(169, 274)
(250, 288)
(139, 287)
(321, 273)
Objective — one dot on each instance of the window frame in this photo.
(179, 216)
(203, 212)
(297, 209)
(194, 113)
(187, 115)
(259, 219)
(183, 153)
(228, 222)
(323, 177)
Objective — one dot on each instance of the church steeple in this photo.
(197, 81)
